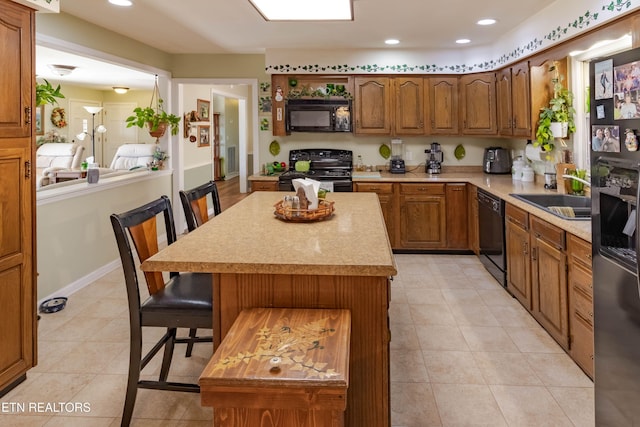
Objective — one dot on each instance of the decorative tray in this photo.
(285, 213)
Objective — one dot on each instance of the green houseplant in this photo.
(154, 116)
(47, 94)
(559, 110)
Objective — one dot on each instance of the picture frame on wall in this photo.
(203, 107)
(39, 121)
(627, 91)
(604, 79)
(204, 135)
(265, 104)
(605, 138)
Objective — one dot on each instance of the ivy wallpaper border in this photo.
(615, 7)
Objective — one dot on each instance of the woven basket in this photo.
(324, 211)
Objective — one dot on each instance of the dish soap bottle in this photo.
(359, 164)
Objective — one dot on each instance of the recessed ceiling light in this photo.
(392, 41)
(121, 2)
(313, 10)
(121, 90)
(488, 21)
(463, 41)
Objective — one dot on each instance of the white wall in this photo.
(76, 244)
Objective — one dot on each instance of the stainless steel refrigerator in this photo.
(615, 166)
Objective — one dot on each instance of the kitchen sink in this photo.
(561, 205)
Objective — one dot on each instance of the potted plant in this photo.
(557, 119)
(154, 116)
(47, 94)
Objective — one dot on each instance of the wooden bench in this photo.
(280, 367)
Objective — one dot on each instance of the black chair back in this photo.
(194, 204)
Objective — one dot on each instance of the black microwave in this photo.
(318, 115)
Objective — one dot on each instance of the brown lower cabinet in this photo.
(264, 186)
(580, 303)
(549, 279)
(423, 216)
(385, 192)
(549, 272)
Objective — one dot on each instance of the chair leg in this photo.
(135, 357)
(192, 336)
(168, 354)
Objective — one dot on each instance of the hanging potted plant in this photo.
(154, 116)
(557, 119)
(47, 94)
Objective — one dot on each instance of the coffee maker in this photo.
(434, 158)
(397, 164)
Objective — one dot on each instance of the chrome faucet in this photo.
(584, 181)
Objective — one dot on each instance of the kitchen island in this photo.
(343, 262)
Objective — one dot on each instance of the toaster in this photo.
(497, 160)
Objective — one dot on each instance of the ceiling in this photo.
(217, 26)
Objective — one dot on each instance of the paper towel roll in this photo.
(534, 153)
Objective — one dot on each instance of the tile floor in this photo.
(463, 352)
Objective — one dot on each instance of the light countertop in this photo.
(499, 185)
(248, 238)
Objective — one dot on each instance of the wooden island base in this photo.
(280, 368)
(366, 297)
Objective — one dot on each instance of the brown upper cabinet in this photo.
(389, 106)
(409, 105)
(441, 99)
(505, 103)
(514, 101)
(372, 106)
(478, 104)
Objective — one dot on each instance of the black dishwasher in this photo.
(491, 233)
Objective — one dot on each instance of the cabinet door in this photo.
(457, 231)
(521, 100)
(478, 97)
(373, 106)
(17, 280)
(549, 284)
(386, 196)
(442, 105)
(581, 317)
(580, 303)
(16, 81)
(503, 94)
(518, 264)
(409, 106)
(422, 216)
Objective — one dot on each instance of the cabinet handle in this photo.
(515, 120)
(433, 123)
(27, 115)
(27, 169)
(525, 248)
(534, 254)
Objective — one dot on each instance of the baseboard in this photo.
(83, 281)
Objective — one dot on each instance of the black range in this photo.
(332, 166)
